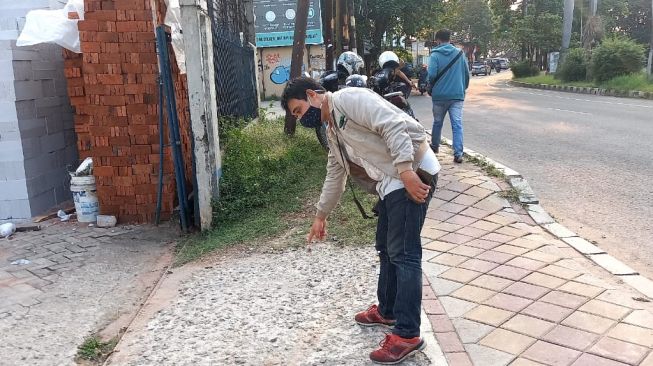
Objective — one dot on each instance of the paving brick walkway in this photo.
(501, 291)
(77, 280)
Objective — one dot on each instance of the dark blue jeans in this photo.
(399, 245)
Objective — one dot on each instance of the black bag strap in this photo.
(351, 186)
(446, 68)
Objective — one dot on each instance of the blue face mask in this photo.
(312, 118)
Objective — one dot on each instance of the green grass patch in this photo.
(637, 82)
(95, 350)
(488, 168)
(512, 194)
(633, 82)
(269, 187)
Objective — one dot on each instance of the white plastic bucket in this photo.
(85, 197)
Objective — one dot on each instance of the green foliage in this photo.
(638, 81)
(471, 20)
(403, 54)
(94, 349)
(523, 69)
(269, 186)
(260, 164)
(627, 18)
(574, 67)
(616, 57)
(632, 82)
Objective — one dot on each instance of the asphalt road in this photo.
(588, 158)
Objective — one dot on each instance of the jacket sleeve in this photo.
(375, 113)
(465, 71)
(333, 187)
(433, 67)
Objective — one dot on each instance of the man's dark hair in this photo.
(296, 89)
(443, 35)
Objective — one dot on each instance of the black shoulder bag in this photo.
(444, 71)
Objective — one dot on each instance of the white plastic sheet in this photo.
(53, 26)
(173, 20)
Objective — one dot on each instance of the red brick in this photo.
(87, 25)
(100, 15)
(112, 100)
(136, 109)
(105, 171)
(109, 79)
(110, 58)
(90, 47)
(130, 4)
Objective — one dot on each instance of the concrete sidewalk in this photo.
(499, 290)
(68, 281)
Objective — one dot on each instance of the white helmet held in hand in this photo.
(350, 62)
(388, 59)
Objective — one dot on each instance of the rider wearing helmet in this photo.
(390, 60)
(357, 81)
(349, 63)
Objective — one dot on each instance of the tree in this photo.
(377, 20)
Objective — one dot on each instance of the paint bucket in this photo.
(85, 198)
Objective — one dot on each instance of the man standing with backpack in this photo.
(448, 80)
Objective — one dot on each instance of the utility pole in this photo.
(524, 12)
(327, 22)
(297, 60)
(567, 21)
(344, 6)
(650, 50)
(338, 26)
(352, 26)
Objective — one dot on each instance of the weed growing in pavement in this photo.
(512, 194)
(95, 350)
(269, 186)
(487, 167)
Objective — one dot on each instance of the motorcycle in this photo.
(423, 87)
(394, 92)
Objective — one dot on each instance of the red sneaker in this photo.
(395, 349)
(372, 317)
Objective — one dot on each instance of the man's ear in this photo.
(310, 93)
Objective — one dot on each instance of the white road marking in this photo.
(566, 110)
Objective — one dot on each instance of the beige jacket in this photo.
(376, 131)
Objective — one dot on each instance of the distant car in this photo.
(481, 67)
(500, 62)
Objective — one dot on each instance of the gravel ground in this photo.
(289, 308)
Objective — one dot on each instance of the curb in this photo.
(531, 203)
(586, 90)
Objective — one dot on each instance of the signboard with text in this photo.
(274, 22)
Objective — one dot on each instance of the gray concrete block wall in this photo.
(46, 124)
(37, 138)
(14, 201)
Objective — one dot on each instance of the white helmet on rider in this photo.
(388, 59)
(350, 62)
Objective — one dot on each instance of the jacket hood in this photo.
(445, 49)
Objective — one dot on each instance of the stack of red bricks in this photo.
(113, 88)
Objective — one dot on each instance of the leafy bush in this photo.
(616, 57)
(403, 54)
(574, 67)
(262, 166)
(523, 69)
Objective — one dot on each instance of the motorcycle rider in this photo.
(423, 79)
(349, 63)
(390, 60)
